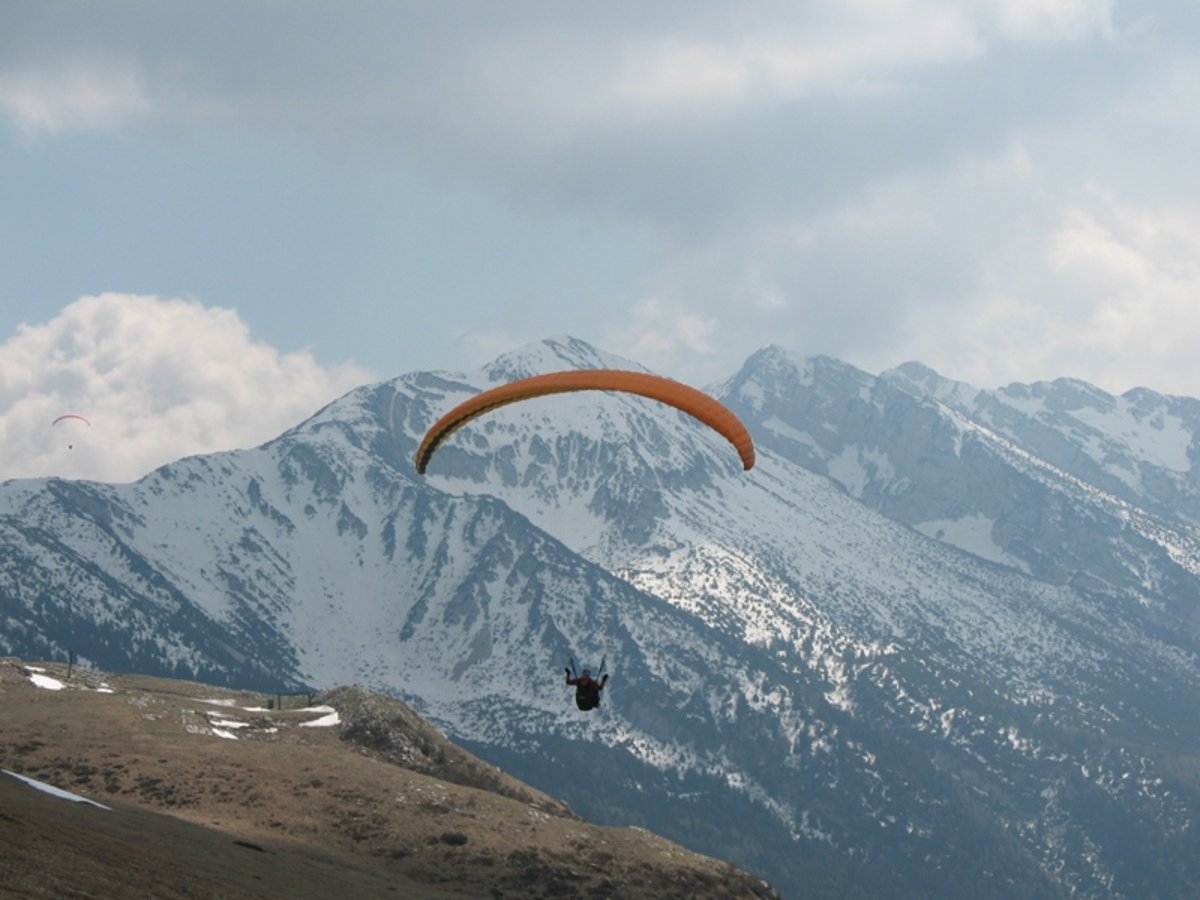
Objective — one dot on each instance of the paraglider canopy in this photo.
(686, 399)
(72, 416)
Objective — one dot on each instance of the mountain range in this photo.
(939, 641)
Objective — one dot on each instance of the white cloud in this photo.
(1139, 269)
(662, 335)
(1114, 304)
(1055, 20)
(158, 379)
(73, 96)
(856, 54)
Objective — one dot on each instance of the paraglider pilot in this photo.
(587, 690)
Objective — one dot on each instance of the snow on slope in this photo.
(1141, 445)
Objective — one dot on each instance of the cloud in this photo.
(1055, 20)
(79, 95)
(878, 180)
(158, 379)
(530, 82)
(863, 280)
(665, 336)
(1110, 300)
(1136, 273)
(670, 75)
(999, 268)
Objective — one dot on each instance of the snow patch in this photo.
(45, 681)
(973, 534)
(856, 467)
(329, 719)
(53, 791)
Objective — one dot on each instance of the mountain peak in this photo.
(918, 378)
(1062, 394)
(553, 354)
(780, 360)
(776, 372)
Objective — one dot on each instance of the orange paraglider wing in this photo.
(686, 399)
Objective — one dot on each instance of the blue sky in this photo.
(216, 217)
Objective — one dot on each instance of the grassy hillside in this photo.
(211, 792)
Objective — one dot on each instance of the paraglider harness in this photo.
(587, 689)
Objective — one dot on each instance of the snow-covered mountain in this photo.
(938, 642)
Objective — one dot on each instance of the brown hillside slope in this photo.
(212, 794)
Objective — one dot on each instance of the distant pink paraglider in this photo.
(72, 416)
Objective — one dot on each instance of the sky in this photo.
(215, 218)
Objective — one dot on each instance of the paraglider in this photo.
(673, 393)
(66, 417)
(587, 689)
(695, 403)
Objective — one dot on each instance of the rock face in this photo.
(937, 636)
(388, 729)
